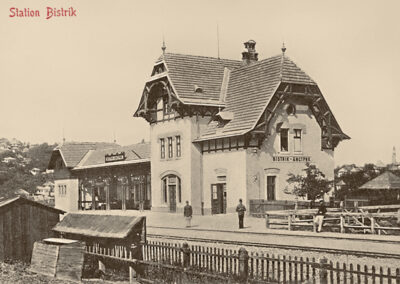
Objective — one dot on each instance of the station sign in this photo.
(109, 158)
(291, 159)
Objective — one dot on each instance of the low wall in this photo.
(258, 207)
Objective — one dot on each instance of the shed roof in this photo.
(21, 200)
(387, 180)
(99, 226)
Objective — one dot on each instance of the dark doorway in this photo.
(172, 198)
(271, 184)
(218, 198)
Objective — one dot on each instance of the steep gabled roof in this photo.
(186, 71)
(250, 90)
(73, 152)
(387, 180)
(244, 90)
(135, 153)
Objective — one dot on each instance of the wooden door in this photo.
(271, 184)
(172, 198)
(218, 198)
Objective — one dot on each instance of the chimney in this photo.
(249, 55)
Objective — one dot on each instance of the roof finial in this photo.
(282, 59)
(283, 48)
(163, 45)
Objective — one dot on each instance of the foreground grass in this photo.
(18, 272)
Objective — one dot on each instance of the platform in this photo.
(224, 227)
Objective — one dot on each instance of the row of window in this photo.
(170, 147)
(62, 189)
(284, 133)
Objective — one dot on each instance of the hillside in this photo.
(23, 166)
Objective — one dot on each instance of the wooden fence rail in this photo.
(226, 264)
(342, 220)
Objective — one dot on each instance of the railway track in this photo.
(283, 247)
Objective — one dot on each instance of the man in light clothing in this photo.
(319, 218)
(188, 212)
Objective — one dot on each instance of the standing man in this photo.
(188, 212)
(240, 209)
(319, 218)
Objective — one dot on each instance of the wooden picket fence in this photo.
(228, 265)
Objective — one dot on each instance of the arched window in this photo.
(171, 189)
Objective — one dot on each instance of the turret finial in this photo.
(283, 48)
(163, 46)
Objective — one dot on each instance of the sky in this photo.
(82, 77)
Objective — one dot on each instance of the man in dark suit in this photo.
(188, 212)
(240, 209)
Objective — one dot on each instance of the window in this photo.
(284, 140)
(178, 146)
(291, 109)
(162, 145)
(164, 190)
(297, 140)
(165, 106)
(271, 185)
(170, 152)
(62, 190)
(214, 192)
(179, 193)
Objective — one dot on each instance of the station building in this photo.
(101, 176)
(220, 130)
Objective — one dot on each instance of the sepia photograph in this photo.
(199, 141)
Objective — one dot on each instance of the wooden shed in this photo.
(22, 222)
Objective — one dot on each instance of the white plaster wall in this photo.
(260, 160)
(69, 201)
(234, 162)
(179, 166)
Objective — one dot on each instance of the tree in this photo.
(312, 184)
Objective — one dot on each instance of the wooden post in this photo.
(398, 216)
(289, 222)
(323, 273)
(107, 187)
(267, 221)
(342, 230)
(132, 274)
(313, 223)
(243, 264)
(372, 225)
(93, 199)
(123, 196)
(186, 255)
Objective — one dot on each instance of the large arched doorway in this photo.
(171, 191)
